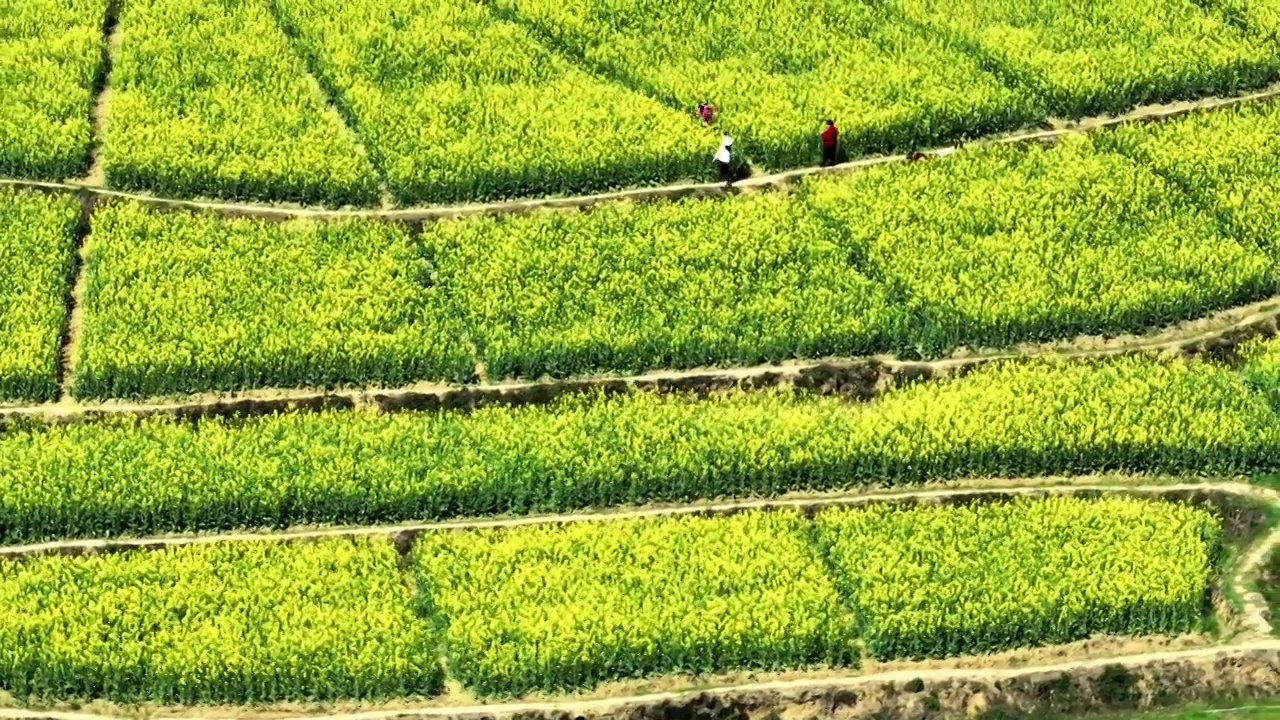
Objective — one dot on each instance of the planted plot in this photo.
(1012, 244)
(775, 78)
(50, 56)
(989, 248)
(37, 241)
(208, 99)
(158, 475)
(943, 581)
(1089, 58)
(181, 303)
(1262, 369)
(559, 608)
(458, 105)
(632, 287)
(992, 247)
(234, 622)
(1228, 158)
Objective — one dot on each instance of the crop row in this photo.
(457, 100)
(565, 607)
(158, 475)
(991, 247)
(51, 54)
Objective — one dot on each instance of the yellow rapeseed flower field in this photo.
(558, 607)
(208, 99)
(228, 622)
(938, 581)
(1012, 420)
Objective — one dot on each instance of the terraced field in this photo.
(294, 100)
(985, 431)
(1114, 232)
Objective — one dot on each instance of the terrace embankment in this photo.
(1216, 336)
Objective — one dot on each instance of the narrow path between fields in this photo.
(417, 215)
(101, 101)
(615, 706)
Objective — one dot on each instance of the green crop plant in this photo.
(632, 287)
(244, 622)
(990, 248)
(37, 244)
(1227, 159)
(1259, 17)
(1009, 244)
(564, 606)
(1262, 367)
(208, 99)
(987, 249)
(50, 59)
(561, 607)
(938, 581)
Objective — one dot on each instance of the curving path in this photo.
(1258, 643)
(1147, 113)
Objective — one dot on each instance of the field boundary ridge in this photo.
(806, 503)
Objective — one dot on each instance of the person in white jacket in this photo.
(724, 160)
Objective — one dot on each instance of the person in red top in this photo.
(830, 142)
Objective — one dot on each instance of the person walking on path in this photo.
(830, 143)
(724, 160)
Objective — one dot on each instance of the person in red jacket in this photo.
(830, 142)
(706, 113)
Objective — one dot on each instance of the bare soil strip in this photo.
(75, 299)
(1216, 336)
(280, 212)
(96, 175)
